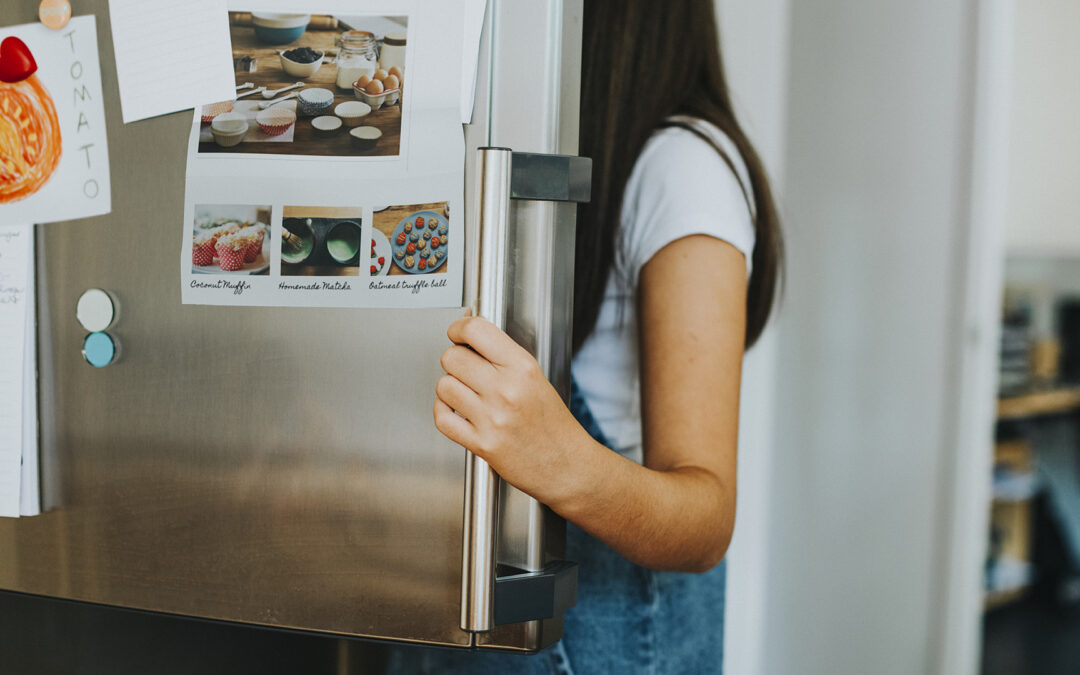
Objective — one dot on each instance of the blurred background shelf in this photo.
(1033, 404)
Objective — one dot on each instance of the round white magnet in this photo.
(96, 310)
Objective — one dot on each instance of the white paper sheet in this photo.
(474, 25)
(415, 170)
(170, 55)
(15, 247)
(30, 487)
(68, 82)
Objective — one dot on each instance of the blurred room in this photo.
(909, 465)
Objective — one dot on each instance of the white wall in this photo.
(876, 195)
(1043, 204)
(754, 41)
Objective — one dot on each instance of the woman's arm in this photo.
(675, 512)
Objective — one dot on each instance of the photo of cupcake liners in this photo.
(202, 256)
(229, 259)
(252, 251)
(224, 232)
(202, 250)
(209, 112)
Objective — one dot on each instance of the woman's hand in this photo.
(495, 401)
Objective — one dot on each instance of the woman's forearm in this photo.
(674, 514)
(679, 519)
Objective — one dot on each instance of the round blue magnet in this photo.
(99, 350)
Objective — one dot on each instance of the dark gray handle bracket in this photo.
(550, 178)
(536, 595)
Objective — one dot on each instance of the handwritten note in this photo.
(171, 55)
(15, 261)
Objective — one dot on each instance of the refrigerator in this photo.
(279, 467)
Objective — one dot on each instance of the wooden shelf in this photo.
(999, 598)
(1037, 403)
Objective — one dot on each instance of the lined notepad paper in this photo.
(171, 55)
(19, 492)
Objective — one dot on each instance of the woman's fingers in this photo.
(486, 339)
(466, 365)
(454, 426)
(458, 396)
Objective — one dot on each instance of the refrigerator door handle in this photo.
(505, 175)
(481, 481)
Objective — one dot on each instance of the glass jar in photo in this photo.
(356, 56)
(392, 54)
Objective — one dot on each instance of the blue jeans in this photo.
(628, 619)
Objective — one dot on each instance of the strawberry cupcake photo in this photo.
(231, 240)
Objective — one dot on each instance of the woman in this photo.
(677, 265)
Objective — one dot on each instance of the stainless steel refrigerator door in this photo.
(273, 466)
(537, 112)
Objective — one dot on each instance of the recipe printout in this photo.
(335, 176)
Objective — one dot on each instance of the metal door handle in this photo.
(503, 175)
(481, 482)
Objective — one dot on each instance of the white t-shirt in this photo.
(679, 186)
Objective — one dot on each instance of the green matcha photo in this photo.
(321, 241)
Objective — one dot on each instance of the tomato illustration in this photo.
(30, 143)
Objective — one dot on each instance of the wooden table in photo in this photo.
(305, 142)
(386, 220)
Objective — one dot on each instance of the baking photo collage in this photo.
(231, 240)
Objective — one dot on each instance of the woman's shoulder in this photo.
(682, 185)
(691, 145)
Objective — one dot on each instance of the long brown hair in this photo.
(643, 62)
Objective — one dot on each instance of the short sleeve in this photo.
(679, 186)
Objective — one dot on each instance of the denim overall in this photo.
(628, 620)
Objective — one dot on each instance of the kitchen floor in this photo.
(1030, 637)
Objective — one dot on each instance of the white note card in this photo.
(30, 487)
(171, 55)
(474, 25)
(15, 251)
